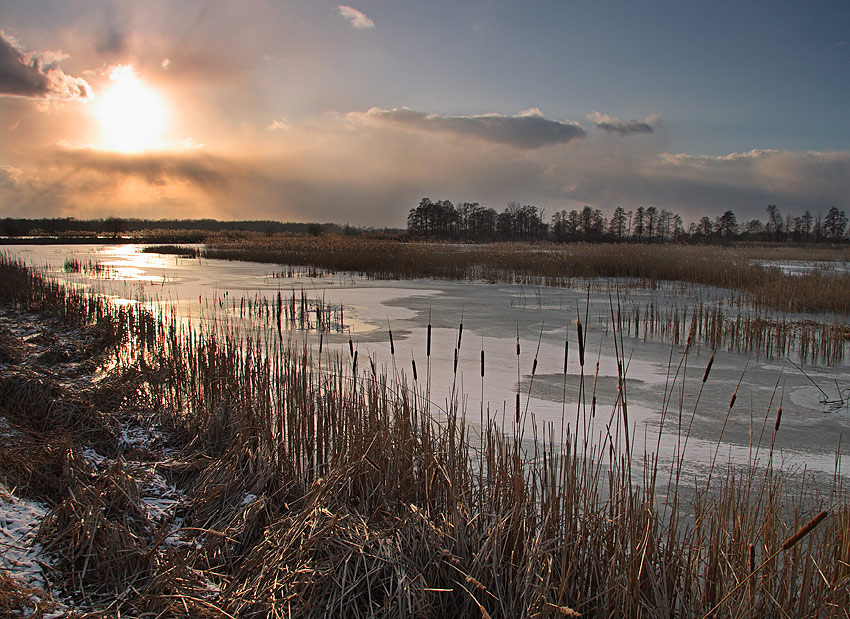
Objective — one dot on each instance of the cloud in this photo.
(527, 130)
(357, 19)
(708, 185)
(279, 125)
(371, 168)
(623, 127)
(200, 169)
(36, 74)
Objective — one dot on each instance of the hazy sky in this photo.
(316, 111)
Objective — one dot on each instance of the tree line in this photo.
(470, 221)
(116, 226)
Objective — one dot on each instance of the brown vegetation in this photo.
(316, 490)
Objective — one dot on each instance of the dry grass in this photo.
(17, 600)
(317, 490)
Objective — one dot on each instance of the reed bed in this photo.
(287, 311)
(740, 330)
(182, 251)
(740, 269)
(763, 295)
(89, 267)
(314, 488)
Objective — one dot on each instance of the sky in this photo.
(351, 113)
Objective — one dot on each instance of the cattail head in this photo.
(804, 531)
(708, 368)
(413, 362)
(580, 343)
(392, 346)
(482, 363)
(428, 347)
(459, 334)
(778, 420)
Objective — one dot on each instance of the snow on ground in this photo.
(20, 555)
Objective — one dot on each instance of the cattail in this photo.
(534, 366)
(475, 583)
(778, 419)
(455, 365)
(428, 349)
(708, 368)
(734, 397)
(321, 341)
(392, 346)
(413, 361)
(354, 364)
(482, 363)
(811, 524)
(460, 334)
(517, 407)
(350, 345)
(752, 557)
(374, 373)
(517, 343)
(566, 354)
(580, 344)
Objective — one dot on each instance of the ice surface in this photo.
(663, 382)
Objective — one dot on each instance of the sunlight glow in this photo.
(132, 116)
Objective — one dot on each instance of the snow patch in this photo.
(20, 554)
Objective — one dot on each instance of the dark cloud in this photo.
(623, 127)
(528, 130)
(112, 41)
(202, 170)
(90, 183)
(36, 74)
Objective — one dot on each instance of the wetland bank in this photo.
(527, 441)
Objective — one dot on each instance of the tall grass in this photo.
(319, 490)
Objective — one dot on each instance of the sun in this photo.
(131, 115)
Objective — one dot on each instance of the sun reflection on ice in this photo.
(130, 263)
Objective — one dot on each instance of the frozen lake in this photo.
(664, 384)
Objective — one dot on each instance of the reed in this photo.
(743, 269)
(314, 488)
(182, 251)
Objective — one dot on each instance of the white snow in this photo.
(20, 555)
